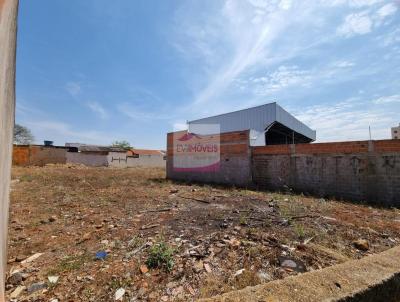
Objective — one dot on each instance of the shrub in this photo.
(161, 256)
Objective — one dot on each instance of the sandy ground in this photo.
(167, 241)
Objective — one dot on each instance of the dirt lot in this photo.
(166, 241)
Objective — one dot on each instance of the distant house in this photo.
(146, 158)
(396, 132)
(95, 156)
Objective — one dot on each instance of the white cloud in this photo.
(361, 23)
(355, 24)
(294, 77)
(73, 88)
(98, 109)
(140, 114)
(283, 77)
(242, 36)
(387, 10)
(353, 3)
(347, 120)
(344, 64)
(387, 99)
(178, 126)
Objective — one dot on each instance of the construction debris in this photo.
(213, 239)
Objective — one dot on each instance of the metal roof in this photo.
(93, 148)
(258, 119)
(146, 152)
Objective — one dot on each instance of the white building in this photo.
(396, 132)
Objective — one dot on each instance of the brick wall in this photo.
(235, 161)
(38, 155)
(359, 170)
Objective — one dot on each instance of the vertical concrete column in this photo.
(8, 35)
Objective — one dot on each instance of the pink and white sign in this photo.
(196, 152)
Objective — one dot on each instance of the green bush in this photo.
(161, 256)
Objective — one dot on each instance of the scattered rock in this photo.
(239, 272)
(119, 294)
(15, 294)
(173, 191)
(164, 298)
(53, 279)
(144, 269)
(15, 279)
(31, 258)
(52, 218)
(36, 286)
(264, 276)
(20, 258)
(293, 264)
(198, 266)
(234, 242)
(177, 291)
(207, 267)
(191, 290)
(361, 244)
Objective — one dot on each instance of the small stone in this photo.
(54, 300)
(86, 236)
(361, 244)
(31, 258)
(20, 258)
(198, 266)
(15, 279)
(15, 294)
(177, 291)
(36, 286)
(173, 191)
(53, 279)
(207, 268)
(191, 290)
(144, 269)
(52, 218)
(292, 264)
(234, 242)
(164, 298)
(119, 294)
(152, 296)
(239, 272)
(264, 276)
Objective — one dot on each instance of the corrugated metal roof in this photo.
(146, 152)
(256, 118)
(93, 148)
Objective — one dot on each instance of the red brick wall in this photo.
(358, 170)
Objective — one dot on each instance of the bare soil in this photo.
(221, 238)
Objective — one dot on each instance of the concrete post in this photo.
(8, 35)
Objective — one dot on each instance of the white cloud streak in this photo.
(348, 120)
(98, 109)
(73, 88)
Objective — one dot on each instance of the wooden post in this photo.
(8, 37)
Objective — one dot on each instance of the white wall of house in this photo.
(117, 159)
(146, 161)
(88, 159)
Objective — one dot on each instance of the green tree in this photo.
(122, 144)
(22, 135)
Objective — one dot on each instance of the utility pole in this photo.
(8, 39)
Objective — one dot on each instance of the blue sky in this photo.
(96, 71)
